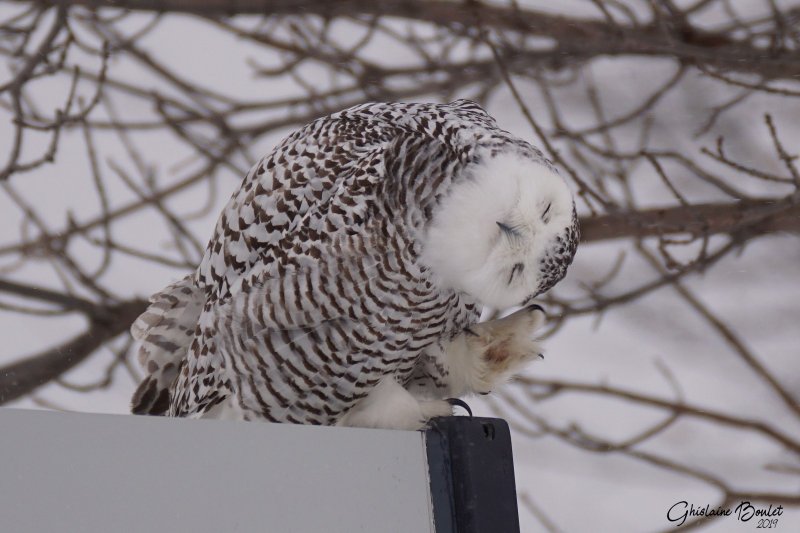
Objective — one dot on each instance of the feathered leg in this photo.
(390, 406)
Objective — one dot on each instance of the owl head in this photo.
(505, 232)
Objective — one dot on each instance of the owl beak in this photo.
(505, 227)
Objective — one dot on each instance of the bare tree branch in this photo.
(579, 39)
(23, 377)
(764, 216)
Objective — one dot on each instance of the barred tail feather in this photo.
(165, 332)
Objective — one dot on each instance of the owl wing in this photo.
(302, 173)
(292, 187)
(296, 338)
(296, 347)
(164, 331)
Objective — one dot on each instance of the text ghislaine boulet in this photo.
(743, 512)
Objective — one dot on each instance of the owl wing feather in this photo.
(165, 331)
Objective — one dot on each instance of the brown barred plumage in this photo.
(312, 289)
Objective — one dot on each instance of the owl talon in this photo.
(459, 402)
(536, 307)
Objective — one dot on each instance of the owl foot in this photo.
(390, 406)
(433, 409)
(488, 353)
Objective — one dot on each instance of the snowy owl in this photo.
(345, 278)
